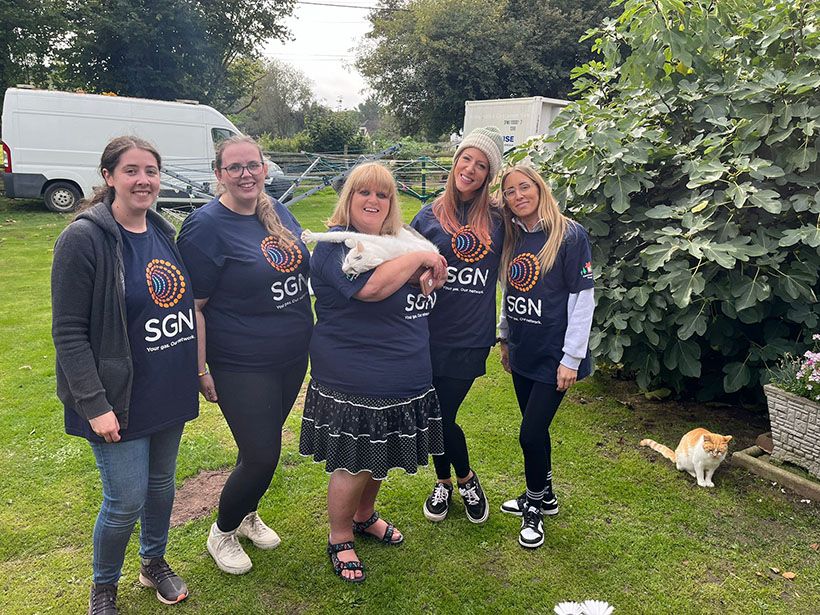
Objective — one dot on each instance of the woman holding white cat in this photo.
(466, 226)
(370, 405)
(546, 316)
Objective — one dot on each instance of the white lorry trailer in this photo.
(518, 119)
(52, 142)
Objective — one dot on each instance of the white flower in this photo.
(568, 608)
(597, 607)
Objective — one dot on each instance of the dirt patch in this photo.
(198, 496)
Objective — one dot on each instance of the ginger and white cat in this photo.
(700, 452)
(370, 251)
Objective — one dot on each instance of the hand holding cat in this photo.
(207, 388)
(566, 377)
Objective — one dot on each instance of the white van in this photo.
(52, 142)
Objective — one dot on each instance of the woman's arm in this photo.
(206, 381)
(580, 307)
(391, 275)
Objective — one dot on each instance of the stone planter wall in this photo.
(795, 428)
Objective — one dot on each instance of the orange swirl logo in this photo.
(165, 283)
(523, 272)
(282, 258)
(467, 246)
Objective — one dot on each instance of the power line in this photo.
(351, 6)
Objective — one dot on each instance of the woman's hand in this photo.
(207, 388)
(434, 275)
(505, 356)
(566, 377)
(106, 426)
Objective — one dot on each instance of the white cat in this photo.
(370, 251)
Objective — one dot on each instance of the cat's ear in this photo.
(727, 438)
(359, 246)
(707, 437)
(350, 242)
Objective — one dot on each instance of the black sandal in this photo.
(339, 565)
(360, 528)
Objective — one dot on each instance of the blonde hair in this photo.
(265, 212)
(109, 160)
(554, 224)
(374, 175)
(481, 211)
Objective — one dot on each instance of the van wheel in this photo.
(62, 197)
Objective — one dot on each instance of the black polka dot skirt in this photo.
(370, 434)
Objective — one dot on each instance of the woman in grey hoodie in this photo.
(124, 329)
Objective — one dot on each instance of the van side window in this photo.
(220, 134)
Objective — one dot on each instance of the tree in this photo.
(204, 49)
(691, 158)
(283, 98)
(332, 131)
(424, 58)
(30, 29)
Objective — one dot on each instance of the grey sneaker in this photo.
(475, 502)
(253, 528)
(157, 573)
(103, 599)
(437, 505)
(227, 552)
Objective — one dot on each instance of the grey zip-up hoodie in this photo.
(89, 321)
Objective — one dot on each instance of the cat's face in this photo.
(716, 445)
(357, 260)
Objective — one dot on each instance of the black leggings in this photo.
(451, 392)
(538, 402)
(255, 405)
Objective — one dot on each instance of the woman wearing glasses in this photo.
(249, 272)
(546, 316)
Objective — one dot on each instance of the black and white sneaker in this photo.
(549, 505)
(475, 502)
(532, 529)
(437, 505)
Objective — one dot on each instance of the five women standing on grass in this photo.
(249, 276)
(466, 226)
(546, 317)
(123, 328)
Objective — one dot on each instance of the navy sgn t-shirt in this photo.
(464, 315)
(162, 334)
(258, 315)
(376, 349)
(536, 303)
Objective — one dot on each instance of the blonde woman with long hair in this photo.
(546, 316)
(370, 406)
(249, 275)
(465, 224)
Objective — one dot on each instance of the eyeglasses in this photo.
(522, 187)
(236, 170)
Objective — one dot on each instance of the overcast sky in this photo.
(324, 38)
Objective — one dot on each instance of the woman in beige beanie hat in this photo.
(465, 224)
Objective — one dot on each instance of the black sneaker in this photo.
(549, 505)
(475, 502)
(158, 574)
(532, 529)
(437, 505)
(103, 599)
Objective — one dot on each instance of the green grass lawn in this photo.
(632, 531)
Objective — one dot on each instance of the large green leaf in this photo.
(737, 376)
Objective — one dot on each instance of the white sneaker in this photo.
(227, 552)
(261, 535)
(532, 529)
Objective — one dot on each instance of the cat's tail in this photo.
(663, 450)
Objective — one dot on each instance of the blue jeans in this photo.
(138, 483)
